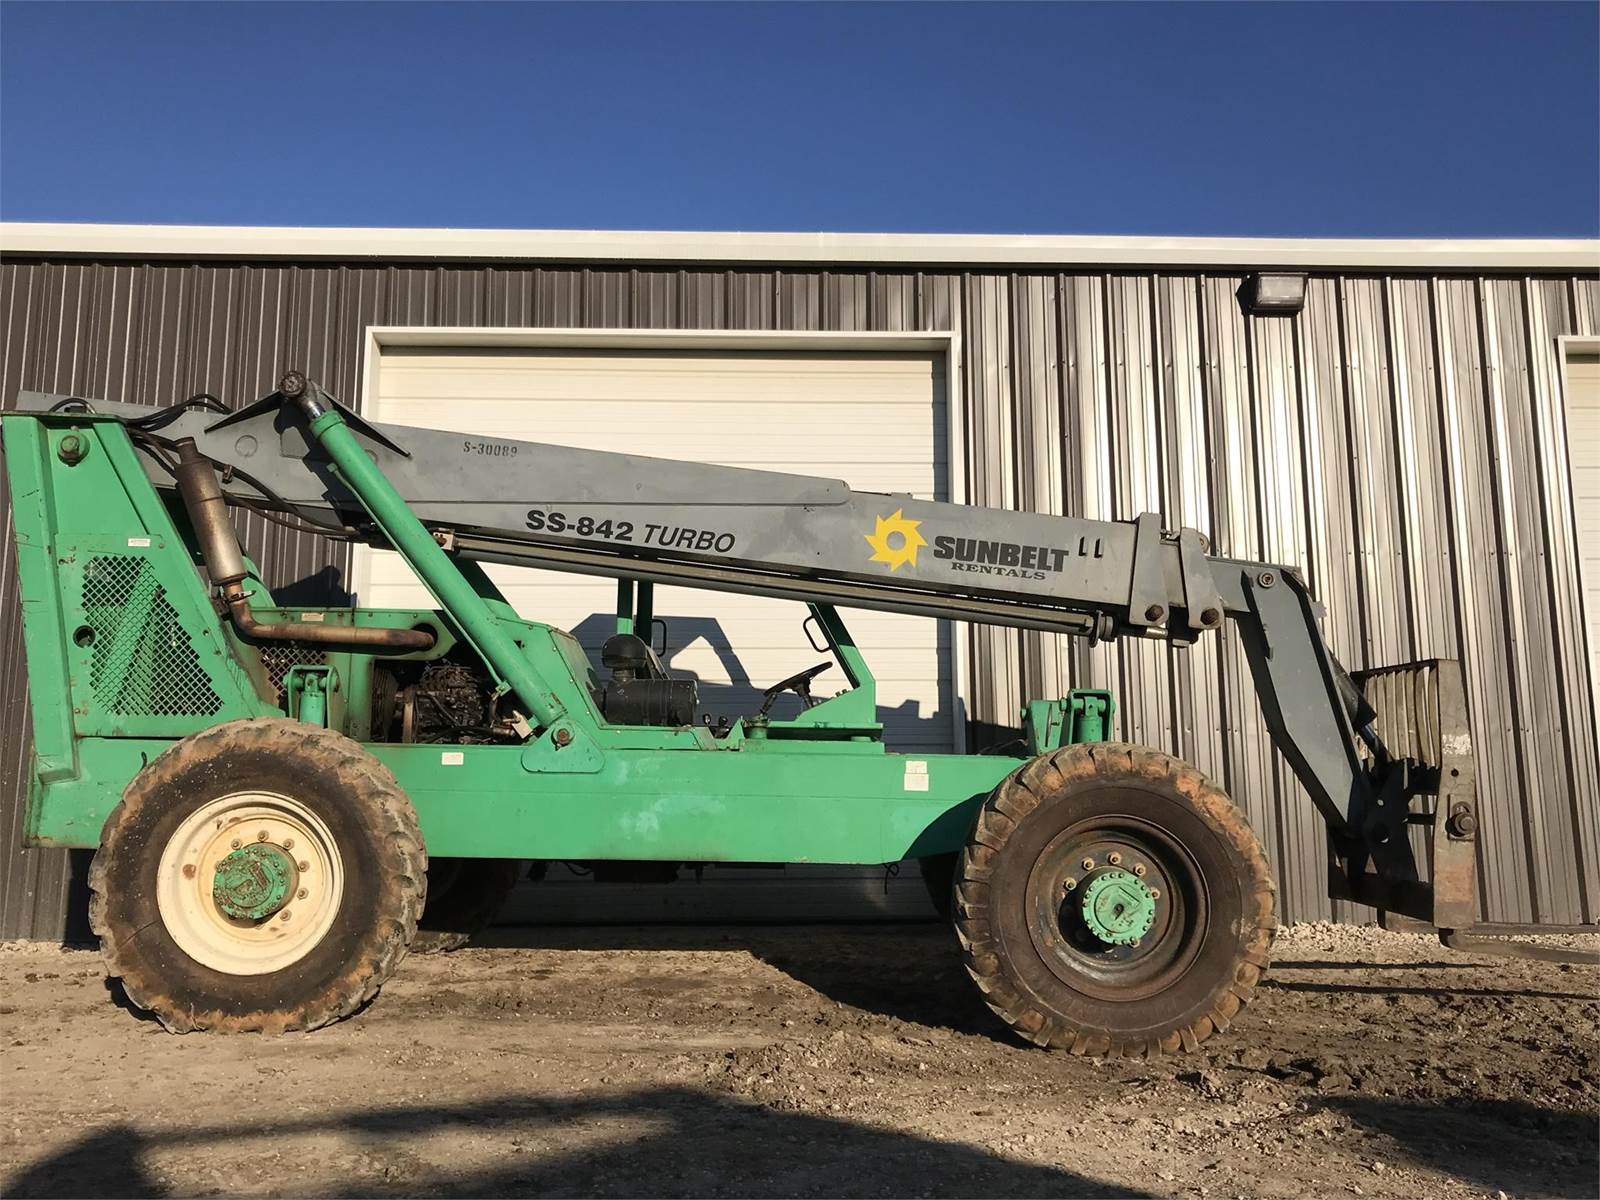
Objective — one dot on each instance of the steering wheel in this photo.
(799, 684)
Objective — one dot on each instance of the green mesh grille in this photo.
(142, 662)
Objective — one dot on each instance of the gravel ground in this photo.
(843, 1060)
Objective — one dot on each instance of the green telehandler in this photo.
(265, 786)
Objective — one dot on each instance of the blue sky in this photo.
(1250, 120)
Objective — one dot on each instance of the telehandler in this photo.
(265, 786)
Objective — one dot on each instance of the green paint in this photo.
(1091, 715)
(1118, 908)
(307, 689)
(782, 802)
(253, 882)
(624, 606)
(1084, 715)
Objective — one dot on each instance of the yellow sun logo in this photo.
(895, 541)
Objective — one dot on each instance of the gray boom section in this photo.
(597, 512)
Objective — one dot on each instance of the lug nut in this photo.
(262, 836)
(284, 915)
(235, 844)
(188, 870)
(1088, 864)
(288, 843)
(1113, 858)
(301, 894)
(303, 866)
(1134, 944)
(1138, 868)
(1154, 895)
(1070, 884)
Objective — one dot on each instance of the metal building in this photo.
(1421, 438)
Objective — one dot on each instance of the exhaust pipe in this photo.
(224, 560)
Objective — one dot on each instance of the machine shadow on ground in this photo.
(697, 1144)
(1483, 1143)
(929, 987)
(1393, 989)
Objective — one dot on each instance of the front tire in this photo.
(1112, 900)
(263, 875)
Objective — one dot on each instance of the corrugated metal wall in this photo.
(1401, 441)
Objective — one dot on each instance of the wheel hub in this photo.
(254, 882)
(1118, 908)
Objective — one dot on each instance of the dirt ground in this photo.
(842, 1060)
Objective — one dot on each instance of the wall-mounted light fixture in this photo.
(1273, 293)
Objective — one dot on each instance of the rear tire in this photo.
(1153, 946)
(464, 897)
(332, 833)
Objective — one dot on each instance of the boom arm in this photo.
(432, 494)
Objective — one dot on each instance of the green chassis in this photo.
(127, 654)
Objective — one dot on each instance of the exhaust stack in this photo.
(224, 559)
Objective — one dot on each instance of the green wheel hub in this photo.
(253, 882)
(1118, 908)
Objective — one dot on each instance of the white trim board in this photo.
(945, 343)
(889, 249)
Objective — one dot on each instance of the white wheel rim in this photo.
(187, 873)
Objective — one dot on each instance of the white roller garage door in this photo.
(877, 419)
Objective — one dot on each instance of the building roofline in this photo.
(51, 240)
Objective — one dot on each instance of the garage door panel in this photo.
(875, 403)
(875, 420)
(645, 373)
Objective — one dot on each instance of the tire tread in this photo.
(1020, 794)
(400, 837)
